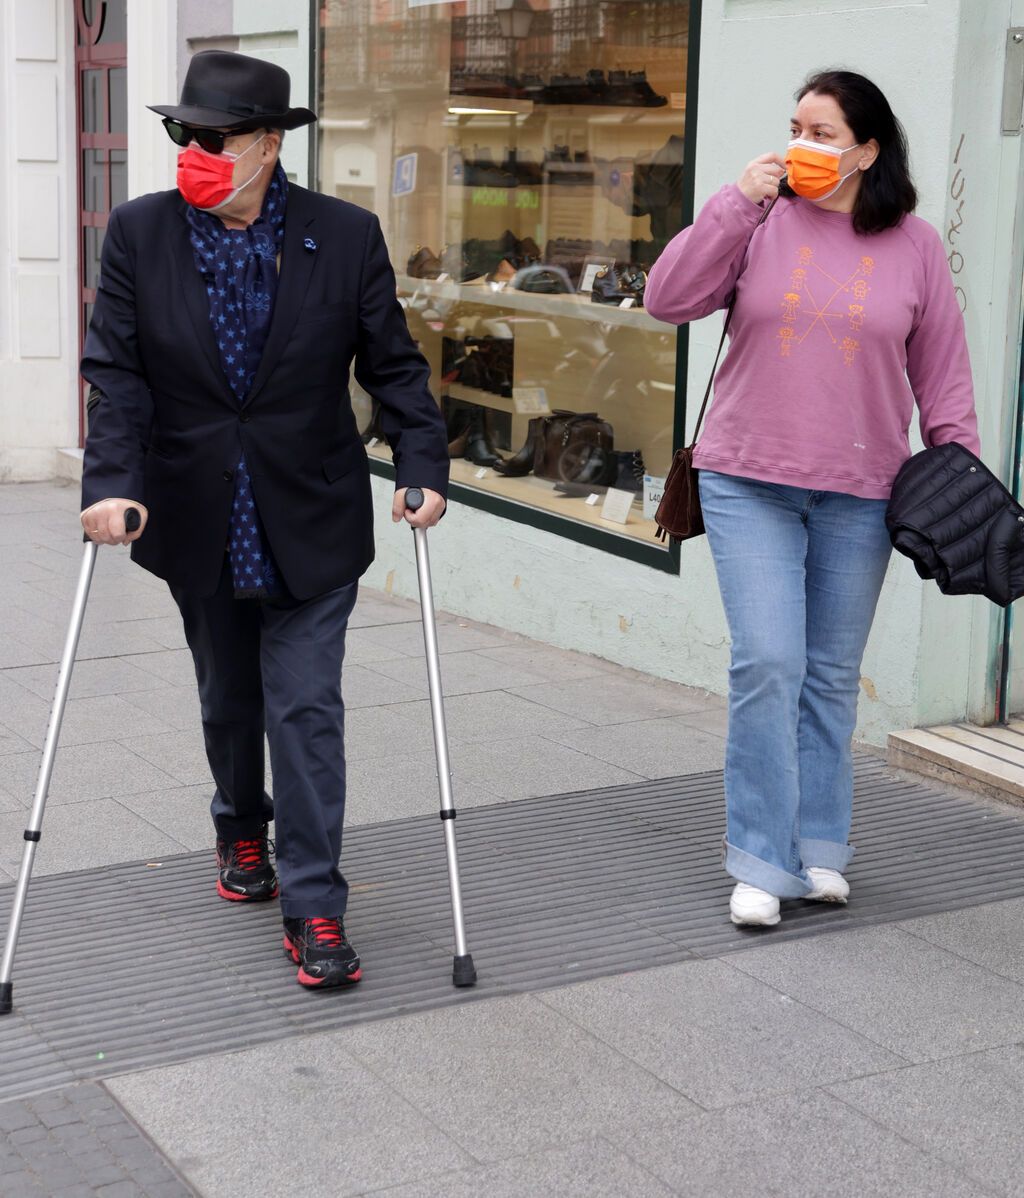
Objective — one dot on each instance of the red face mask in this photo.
(204, 180)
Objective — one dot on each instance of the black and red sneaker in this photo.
(322, 952)
(245, 873)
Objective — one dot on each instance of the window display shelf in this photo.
(540, 493)
(578, 307)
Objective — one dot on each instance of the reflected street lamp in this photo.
(515, 18)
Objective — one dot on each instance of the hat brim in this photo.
(215, 118)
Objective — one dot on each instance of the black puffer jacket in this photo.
(958, 524)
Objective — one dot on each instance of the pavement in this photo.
(879, 1060)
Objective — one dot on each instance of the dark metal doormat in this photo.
(141, 964)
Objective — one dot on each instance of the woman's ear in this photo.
(868, 154)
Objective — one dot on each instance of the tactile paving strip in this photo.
(141, 964)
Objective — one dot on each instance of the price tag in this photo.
(654, 488)
(530, 401)
(483, 472)
(616, 506)
(628, 302)
(442, 277)
(372, 443)
(592, 500)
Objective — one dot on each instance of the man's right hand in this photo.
(760, 181)
(104, 521)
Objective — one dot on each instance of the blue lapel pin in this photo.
(310, 245)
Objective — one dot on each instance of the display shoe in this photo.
(423, 263)
(457, 446)
(522, 463)
(322, 951)
(829, 885)
(244, 870)
(631, 471)
(479, 449)
(752, 907)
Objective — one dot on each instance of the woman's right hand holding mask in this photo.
(760, 180)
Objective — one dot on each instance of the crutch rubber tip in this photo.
(7, 997)
(464, 971)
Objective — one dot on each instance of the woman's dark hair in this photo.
(887, 192)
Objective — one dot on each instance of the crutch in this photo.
(33, 832)
(463, 969)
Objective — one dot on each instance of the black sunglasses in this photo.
(210, 140)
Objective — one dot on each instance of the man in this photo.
(227, 317)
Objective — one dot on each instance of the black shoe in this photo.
(522, 463)
(322, 952)
(244, 871)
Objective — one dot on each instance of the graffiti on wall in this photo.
(956, 223)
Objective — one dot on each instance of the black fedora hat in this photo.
(227, 90)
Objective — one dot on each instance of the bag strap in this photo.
(725, 332)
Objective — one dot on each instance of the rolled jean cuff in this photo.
(745, 867)
(826, 854)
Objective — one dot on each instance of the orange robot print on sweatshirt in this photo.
(816, 304)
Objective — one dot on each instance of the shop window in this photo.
(528, 162)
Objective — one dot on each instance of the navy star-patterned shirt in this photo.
(239, 269)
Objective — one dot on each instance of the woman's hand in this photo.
(760, 181)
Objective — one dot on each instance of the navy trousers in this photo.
(274, 665)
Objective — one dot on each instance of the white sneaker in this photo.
(829, 885)
(749, 905)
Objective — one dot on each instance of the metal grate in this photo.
(140, 964)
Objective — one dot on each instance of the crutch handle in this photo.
(132, 521)
(414, 499)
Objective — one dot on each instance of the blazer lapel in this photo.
(297, 263)
(197, 302)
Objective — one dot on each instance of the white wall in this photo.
(926, 653)
(38, 240)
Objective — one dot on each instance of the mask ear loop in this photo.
(242, 186)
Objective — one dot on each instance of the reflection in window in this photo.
(526, 163)
(92, 244)
(118, 100)
(118, 177)
(94, 180)
(93, 112)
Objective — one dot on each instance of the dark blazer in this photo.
(168, 431)
(958, 524)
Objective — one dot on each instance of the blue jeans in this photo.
(800, 573)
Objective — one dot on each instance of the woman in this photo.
(844, 316)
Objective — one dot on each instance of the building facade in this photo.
(528, 160)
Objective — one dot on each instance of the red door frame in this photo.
(91, 55)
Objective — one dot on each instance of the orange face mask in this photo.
(812, 170)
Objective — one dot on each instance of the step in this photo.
(69, 464)
(988, 759)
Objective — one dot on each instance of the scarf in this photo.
(239, 269)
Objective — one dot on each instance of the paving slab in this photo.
(590, 1169)
(616, 699)
(651, 748)
(967, 1111)
(92, 771)
(702, 1028)
(991, 935)
(512, 1076)
(802, 1144)
(340, 1128)
(85, 835)
(909, 996)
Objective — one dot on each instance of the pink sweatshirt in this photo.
(833, 338)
